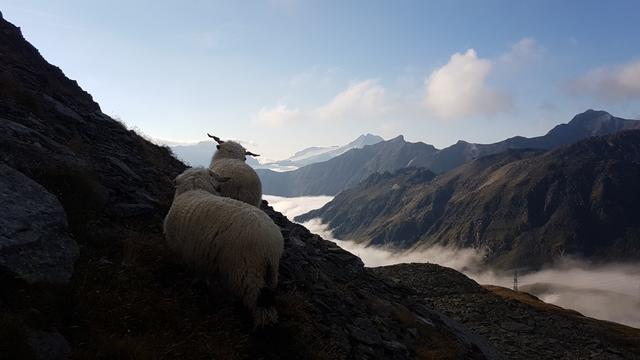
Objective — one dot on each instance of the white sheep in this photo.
(228, 238)
(229, 161)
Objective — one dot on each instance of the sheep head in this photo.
(230, 150)
(199, 178)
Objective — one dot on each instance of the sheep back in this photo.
(244, 184)
(225, 237)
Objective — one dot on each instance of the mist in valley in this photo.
(604, 291)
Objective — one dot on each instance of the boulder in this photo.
(34, 241)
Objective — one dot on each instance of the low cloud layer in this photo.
(459, 88)
(459, 259)
(608, 292)
(292, 207)
(611, 84)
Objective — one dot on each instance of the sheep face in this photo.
(199, 179)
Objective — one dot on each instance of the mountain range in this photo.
(346, 170)
(200, 154)
(319, 154)
(341, 172)
(524, 207)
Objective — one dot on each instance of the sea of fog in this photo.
(607, 292)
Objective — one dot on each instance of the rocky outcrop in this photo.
(34, 241)
(519, 325)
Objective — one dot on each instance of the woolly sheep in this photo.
(228, 238)
(229, 161)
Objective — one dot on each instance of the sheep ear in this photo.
(250, 153)
(217, 139)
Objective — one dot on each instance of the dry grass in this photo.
(622, 334)
(530, 300)
(145, 307)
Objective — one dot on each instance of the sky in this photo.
(282, 75)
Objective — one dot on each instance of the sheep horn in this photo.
(217, 139)
(250, 153)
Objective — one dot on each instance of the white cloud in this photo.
(524, 51)
(363, 99)
(612, 84)
(294, 206)
(458, 89)
(277, 116)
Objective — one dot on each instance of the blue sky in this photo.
(282, 75)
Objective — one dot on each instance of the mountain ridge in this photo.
(332, 176)
(524, 207)
(583, 125)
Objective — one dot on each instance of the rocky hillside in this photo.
(523, 207)
(331, 177)
(519, 325)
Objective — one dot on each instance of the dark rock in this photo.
(34, 240)
(49, 345)
(368, 336)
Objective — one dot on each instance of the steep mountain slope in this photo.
(584, 125)
(524, 208)
(339, 173)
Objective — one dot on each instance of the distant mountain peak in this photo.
(365, 139)
(590, 115)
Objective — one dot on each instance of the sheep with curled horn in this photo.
(227, 238)
(229, 161)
